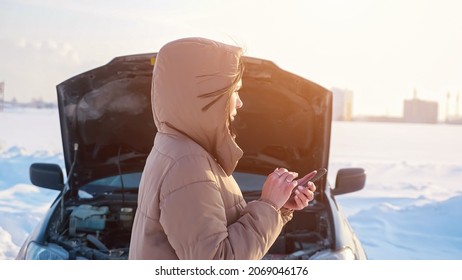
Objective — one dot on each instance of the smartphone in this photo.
(320, 172)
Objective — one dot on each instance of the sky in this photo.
(409, 209)
(382, 51)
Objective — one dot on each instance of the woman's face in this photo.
(235, 102)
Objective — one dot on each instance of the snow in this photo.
(409, 210)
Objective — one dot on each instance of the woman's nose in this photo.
(239, 103)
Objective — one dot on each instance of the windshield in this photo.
(248, 182)
(128, 181)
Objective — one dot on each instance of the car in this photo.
(107, 131)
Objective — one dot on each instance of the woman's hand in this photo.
(301, 197)
(302, 194)
(278, 187)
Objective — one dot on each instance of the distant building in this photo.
(420, 111)
(342, 106)
(454, 118)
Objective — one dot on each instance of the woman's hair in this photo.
(226, 92)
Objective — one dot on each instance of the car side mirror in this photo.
(46, 175)
(349, 180)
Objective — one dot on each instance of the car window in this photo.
(131, 181)
(249, 182)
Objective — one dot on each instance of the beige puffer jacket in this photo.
(189, 205)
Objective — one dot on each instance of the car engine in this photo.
(304, 236)
(97, 230)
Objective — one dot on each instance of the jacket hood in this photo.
(186, 74)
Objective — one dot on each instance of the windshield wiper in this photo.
(125, 190)
(251, 193)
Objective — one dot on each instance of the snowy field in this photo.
(410, 209)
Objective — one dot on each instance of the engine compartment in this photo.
(94, 229)
(302, 237)
(101, 229)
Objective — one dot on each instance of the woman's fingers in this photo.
(306, 178)
(301, 201)
(280, 172)
(288, 177)
(311, 186)
(306, 192)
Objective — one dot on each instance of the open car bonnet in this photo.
(107, 125)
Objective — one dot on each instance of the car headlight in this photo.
(50, 251)
(342, 254)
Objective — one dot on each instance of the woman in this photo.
(189, 205)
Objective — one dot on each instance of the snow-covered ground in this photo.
(411, 207)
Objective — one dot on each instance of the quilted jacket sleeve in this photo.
(194, 218)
